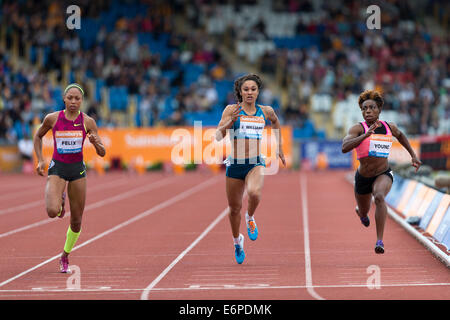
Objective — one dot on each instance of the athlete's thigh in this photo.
(77, 195)
(382, 185)
(255, 180)
(235, 191)
(53, 191)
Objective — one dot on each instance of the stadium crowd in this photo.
(116, 57)
(407, 58)
(407, 61)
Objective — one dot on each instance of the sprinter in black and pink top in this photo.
(372, 140)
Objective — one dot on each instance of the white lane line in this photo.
(439, 253)
(146, 292)
(97, 204)
(308, 269)
(21, 180)
(217, 287)
(144, 214)
(23, 192)
(32, 204)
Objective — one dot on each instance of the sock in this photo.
(248, 218)
(237, 240)
(60, 211)
(71, 239)
(62, 205)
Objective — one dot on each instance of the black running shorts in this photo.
(363, 185)
(67, 171)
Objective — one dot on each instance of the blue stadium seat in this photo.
(192, 72)
(170, 74)
(118, 98)
(223, 87)
(276, 104)
(45, 56)
(57, 94)
(99, 84)
(207, 118)
(299, 41)
(168, 110)
(71, 77)
(307, 131)
(33, 54)
(88, 32)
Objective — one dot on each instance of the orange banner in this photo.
(10, 159)
(169, 144)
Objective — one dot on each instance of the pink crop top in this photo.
(378, 144)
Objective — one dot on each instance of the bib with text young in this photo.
(380, 145)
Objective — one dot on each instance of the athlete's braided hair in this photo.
(371, 95)
(239, 81)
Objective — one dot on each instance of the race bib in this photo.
(69, 141)
(252, 126)
(380, 145)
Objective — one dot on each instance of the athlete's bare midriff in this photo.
(245, 148)
(372, 166)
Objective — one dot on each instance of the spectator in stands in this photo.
(92, 112)
(443, 182)
(5, 127)
(348, 51)
(25, 146)
(176, 119)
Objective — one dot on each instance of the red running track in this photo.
(159, 236)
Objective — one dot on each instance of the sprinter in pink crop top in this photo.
(372, 140)
(70, 127)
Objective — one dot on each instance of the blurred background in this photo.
(147, 65)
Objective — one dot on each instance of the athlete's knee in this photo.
(53, 212)
(378, 197)
(235, 209)
(254, 193)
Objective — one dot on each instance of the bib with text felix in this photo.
(69, 141)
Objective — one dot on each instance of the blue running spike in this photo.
(365, 221)
(239, 254)
(239, 250)
(252, 230)
(379, 247)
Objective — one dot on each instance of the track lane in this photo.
(122, 264)
(24, 249)
(126, 242)
(274, 265)
(33, 188)
(342, 250)
(33, 212)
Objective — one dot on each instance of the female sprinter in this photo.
(70, 128)
(372, 140)
(245, 122)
